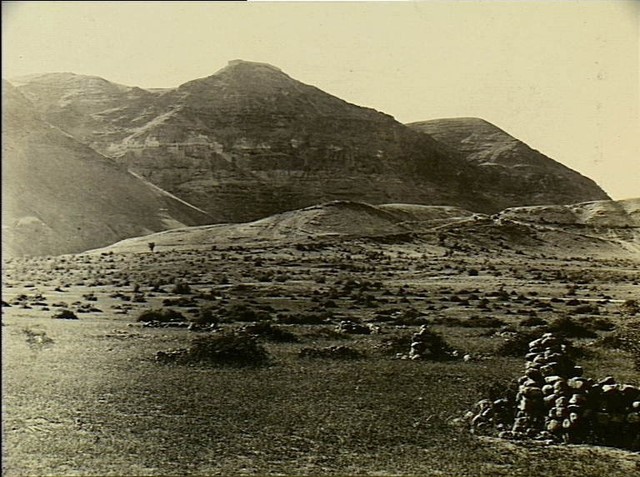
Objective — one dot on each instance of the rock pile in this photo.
(353, 328)
(426, 344)
(554, 402)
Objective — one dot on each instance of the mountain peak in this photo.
(251, 64)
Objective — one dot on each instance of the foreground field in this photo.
(87, 397)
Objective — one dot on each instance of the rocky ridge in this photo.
(250, 141)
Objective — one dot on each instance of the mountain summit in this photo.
(250, 141)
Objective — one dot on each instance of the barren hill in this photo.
(61, 196)
(520, 174)
(435, 228)
(250, 141)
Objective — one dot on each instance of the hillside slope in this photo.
(594, 231)
(61, 196)
(250, 141)
(520, 174)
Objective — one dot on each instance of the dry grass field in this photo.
(87, 396)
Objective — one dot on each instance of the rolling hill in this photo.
(546, 230)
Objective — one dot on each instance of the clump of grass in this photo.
(395, 344)
(482, 322)
(331, 352)
(65, 314)
(227, 349)
(518, 344)
(304, 319)
(266, 330)
(161, 315)
(37, 339)
(533, 321)
(181, 288)
(243, 313)
(630, 307)
(565, 327)
(626, 338)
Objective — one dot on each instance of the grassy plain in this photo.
(86, 396)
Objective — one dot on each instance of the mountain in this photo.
(599, 228)
(250, 141)
(516, 170)
(61, 196)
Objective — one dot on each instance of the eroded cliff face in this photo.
(250, 141)
(510, 172)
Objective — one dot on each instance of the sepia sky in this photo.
(561, 75)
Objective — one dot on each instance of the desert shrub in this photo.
(450, 321)
(518, 344)
(630, 307)
(323, 333)
(181, 301)
(270, 332)
(226, 349)
(409, 317)
(181, 288)
(586, 309)
(395, 344)
(533, 321)
(305, 319)
(65, 314)
(568, 328)
(482, 322)
(37, 339)
(231, 348)
(599, 324)
(242, 312)
(206, 315)
(331, 352)
(625, 338)
(162, 315)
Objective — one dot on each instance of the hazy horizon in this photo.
(561, 76)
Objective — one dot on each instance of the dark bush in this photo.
(207, 315)
(395, 345)
(322, 333)
(305, 319)
(482, 322)
(163, 315)
(409, 317)
(331, 352)
(65, 315)
(227, 349)
(533, 321)
(181, 301)
(242, 312)
(265, 330)
(181, 288)
(518, 344)
(598, 324)
(231, 348)
(567, 328)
